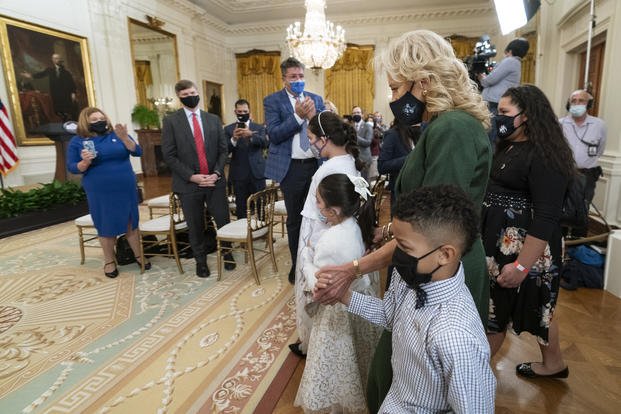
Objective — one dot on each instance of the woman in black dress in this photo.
(532, 167)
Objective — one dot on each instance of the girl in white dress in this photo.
(337, 143)
(341, 344)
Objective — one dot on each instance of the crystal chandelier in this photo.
(321, 44)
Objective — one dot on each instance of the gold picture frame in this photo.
(48, 77)
(214, 101)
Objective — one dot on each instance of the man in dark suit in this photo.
(195, 149)
(290, 160)
(365, 137)
(62, 88)
(246, 141)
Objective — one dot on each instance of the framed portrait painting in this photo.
(48, 76)
(214, 103)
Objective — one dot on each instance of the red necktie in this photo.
(200, 146)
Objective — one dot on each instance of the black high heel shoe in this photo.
(147, 264)
(113, 273)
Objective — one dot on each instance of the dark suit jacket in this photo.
(179, 149)
(61, 87)
(247, 155)
(392, 156)
(281, 127)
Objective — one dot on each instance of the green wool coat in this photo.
(454, 149)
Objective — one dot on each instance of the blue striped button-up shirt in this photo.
(440, 356)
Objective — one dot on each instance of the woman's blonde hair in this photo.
(423, 54)
(330, 106)
(83, 124)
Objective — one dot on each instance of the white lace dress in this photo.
(341, 344)
(310, 231)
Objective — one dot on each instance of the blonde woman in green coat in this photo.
(427, 79)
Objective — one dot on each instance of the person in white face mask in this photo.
(586, 135)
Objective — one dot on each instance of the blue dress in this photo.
(109, 183)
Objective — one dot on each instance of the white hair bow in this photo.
(360, 186)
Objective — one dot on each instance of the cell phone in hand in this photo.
(241, 125)
(89, 145)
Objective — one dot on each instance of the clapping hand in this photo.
(121, 131)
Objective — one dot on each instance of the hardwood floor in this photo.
(590, 329)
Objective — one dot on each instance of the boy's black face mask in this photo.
(407, 266)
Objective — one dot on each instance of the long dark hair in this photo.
(337, 190)
(409, 134)
(339, 132)
(542, 128)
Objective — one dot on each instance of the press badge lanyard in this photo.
(592, 148)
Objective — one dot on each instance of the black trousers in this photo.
(243, 189)
(295, 189)
(193, 206)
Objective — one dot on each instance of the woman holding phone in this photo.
(101, 154)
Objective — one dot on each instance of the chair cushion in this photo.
(86, 220)
(238, 229)
(279, 208)
(161, 224)
(161, 201)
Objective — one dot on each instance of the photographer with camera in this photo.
(506, 74)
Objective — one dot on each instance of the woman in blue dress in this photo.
(101, 154)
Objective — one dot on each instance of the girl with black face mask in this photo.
(101, 154)
(521, 234)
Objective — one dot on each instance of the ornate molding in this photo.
(347, 22)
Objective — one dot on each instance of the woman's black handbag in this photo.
(124, 254)
(576, 203)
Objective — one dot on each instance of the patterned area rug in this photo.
(74, 341)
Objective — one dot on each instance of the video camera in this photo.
(481, 61)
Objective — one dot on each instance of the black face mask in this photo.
(243, 117)
(190, 101)
(356, 118)
(408, 109)
(505, 125)
(99, 127)
(407, 266)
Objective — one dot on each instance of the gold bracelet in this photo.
(357, 268)
(388, 235)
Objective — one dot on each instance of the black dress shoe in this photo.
(202, 270)
(525, 369)
(229, 263)
(295, 348)
(113, 273)
(147, 264)
(292, 276)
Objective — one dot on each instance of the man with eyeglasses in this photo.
(290, 160)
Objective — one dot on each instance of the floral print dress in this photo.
(524, 197)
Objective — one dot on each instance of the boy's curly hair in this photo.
(444, 214)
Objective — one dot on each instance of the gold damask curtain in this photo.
(529, 61)
(463, 46)
(143, 80)
(258, 75)
(351, 80)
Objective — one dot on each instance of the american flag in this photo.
(8, 150)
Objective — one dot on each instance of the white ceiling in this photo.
(252, 11)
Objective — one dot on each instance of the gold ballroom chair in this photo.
(258, 224)
(86, 234)
(166, 227)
